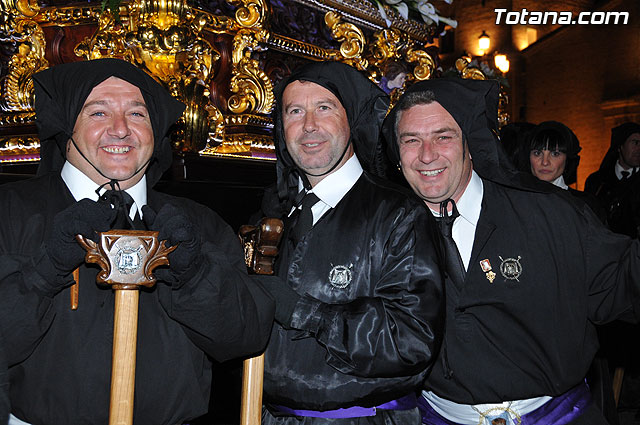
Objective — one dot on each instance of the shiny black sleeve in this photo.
(221, 308)
(396, 332)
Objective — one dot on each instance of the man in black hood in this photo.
(616, 184)
(104, 128)
(531, 270)
(358, 288)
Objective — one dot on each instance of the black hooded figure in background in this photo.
(104, 131)
(616, 184)
(530, 269)
(358, 289)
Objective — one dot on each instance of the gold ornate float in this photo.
(221, 58)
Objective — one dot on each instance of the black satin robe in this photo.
(534, 336)
(372, 339)
(60, 360)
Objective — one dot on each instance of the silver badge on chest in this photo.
(340, 276)
(128, 260)
(511, 268)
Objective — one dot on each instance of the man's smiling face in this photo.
(316, 128)
(113, 130)
(434, 159)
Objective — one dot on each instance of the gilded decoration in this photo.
(222, 61)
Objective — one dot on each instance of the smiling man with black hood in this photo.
(358, 293)
(530, 268)
(103, 125)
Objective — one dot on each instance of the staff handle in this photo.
(261, 247)
(123, 368)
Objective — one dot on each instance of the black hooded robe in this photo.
(371, 341)
(60, 359)
(558, 272)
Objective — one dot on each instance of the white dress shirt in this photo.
(333, 187)
(619, 169)
(464, 228)
(82, 187)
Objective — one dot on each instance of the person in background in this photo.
(553, 157)
(616, 183)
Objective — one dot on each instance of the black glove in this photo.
(174, 227)
(60, 253)
(285, 297)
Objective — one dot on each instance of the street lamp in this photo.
(502, 63)
(484, 42)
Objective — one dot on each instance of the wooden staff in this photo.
(260, 249)
(127, 259)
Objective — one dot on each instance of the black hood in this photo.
(60, 93)
(619, 135)
(365, 104)
(473, 104)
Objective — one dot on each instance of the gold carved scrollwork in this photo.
(385, 47)
(469, 72)
(425, 65)
(108, 41)
(167, 38)
(352, 38)
(252, 88)
(250, 13)
(17, 26)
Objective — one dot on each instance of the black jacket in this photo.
(371, 337)
(60, 360)
(531, 332)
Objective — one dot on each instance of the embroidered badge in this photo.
(128, 260)
(486, 268)
(340, 276)
(511, 268)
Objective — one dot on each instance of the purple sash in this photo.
(405, 403)
(560, 410)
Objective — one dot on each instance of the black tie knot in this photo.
(446, 220)
(304, 221)
(122, 203)
(625, 174)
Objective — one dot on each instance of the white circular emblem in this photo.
(128, 260)
(340, 276)
(511, 268)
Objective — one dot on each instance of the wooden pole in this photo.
(127, 259)
(123, 367)
(252, 377)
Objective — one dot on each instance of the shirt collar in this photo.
(560, 183)
(82, 186)
(619, 169)
(470, 203)
(332, 188)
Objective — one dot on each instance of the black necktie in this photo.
(625, 174)
(455, 266)
(122, 202)
(304, 223)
